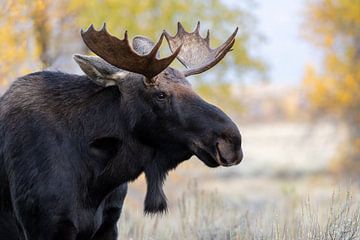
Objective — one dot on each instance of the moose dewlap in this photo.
(69, 144)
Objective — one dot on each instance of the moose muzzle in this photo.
(228, 153)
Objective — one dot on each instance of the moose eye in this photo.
(161, 96)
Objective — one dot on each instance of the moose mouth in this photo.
(207, 158)
(216, 156)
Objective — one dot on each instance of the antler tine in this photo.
(229, 40)
(90, 28)
(104, 27)
(197, 29)
(120, 53)
(207, 38)
(156, 48)
(196, 54)
(180, 28)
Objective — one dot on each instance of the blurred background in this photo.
(292, 84)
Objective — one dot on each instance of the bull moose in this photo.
(69, 144)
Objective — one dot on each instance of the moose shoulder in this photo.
(69, 144)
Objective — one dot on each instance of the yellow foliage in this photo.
(30, 40)
(326, 19)
(14, 43)
(334, 26)
(34, 33)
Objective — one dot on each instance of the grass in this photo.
(205, 215)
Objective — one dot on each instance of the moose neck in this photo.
(112, 117)
(112, 121)
(93, 113)
(126, 166)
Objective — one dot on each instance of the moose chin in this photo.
(69, 144)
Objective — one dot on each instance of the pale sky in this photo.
(285, 51)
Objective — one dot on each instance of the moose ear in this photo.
(99, 71)
(143, 45)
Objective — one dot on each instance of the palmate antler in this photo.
(120, 53)
(190, 49)
(195, 53)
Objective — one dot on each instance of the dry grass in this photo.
(208, 215)
(282, 190)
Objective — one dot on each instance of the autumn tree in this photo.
(334, 27)
(151, 17)
(35, 33)
(13, 49)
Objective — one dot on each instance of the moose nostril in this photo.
(229, 151)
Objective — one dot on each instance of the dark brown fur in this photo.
(68, 147)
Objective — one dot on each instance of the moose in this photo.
(69, 144)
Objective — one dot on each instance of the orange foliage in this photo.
(334, 26)
(34, 33)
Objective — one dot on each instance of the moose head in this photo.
(167, 116)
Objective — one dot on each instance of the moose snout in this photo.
(228, 152)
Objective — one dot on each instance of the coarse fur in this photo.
(69, 144)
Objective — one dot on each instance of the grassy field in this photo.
(287, 214)
(278, 192)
